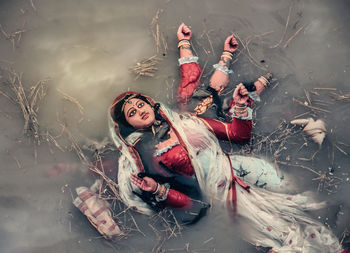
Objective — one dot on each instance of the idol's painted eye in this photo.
(141, 104)
(132, 113)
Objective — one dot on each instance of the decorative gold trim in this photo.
(207, 124)
(228, 135)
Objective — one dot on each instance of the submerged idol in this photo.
(174, 160)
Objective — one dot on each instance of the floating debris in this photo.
(316, 129)
(97, 210)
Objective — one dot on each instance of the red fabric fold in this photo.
(190, 73)
(177, 160)
(238, 130)
(177, 199)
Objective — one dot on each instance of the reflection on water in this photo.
(86, 49)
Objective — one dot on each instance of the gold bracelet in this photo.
(227, 53)
(264, 81)
(240, 110)
(161, 192)
(183, 43)
(164, 191)
(224, 57)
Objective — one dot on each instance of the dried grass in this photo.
(146, 67)
(159, 38)
(14, 37)
(29, 102)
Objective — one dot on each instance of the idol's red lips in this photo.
(145, 116)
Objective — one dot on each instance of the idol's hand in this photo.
(231, 44)
(146, 184)
(240, 95)
(184, 32)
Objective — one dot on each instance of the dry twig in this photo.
(293, 36)
(161, 43)
(246, 47)
(72, 100)
(325, 89)
(14, 158)
(339, 97)
(309, 106)
(32, 4)
(285, 28)
(345, 234)
(137, 227)
(341, 150)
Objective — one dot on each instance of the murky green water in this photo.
(86, 48)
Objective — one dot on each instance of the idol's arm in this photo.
(189, 67)
(239, 130)
(162, 192)
(241, 112)
(220, 78)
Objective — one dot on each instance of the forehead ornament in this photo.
(128, 101)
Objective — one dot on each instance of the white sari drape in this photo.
(270, 219)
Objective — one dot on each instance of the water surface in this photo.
(85, 49)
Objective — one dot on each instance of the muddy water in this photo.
(85, 49)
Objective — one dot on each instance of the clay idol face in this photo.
(138, 113)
